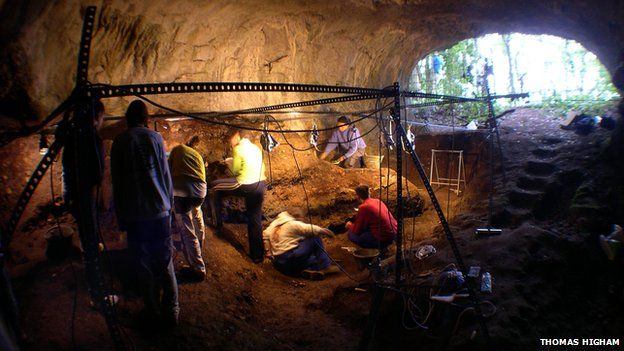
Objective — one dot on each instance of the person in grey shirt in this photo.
(351, 147)
(143, 195)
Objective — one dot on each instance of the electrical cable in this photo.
(98, 228)
(293, 149)
(195, 116)
(233, 125)
(324, 143)
(71, 264)
(307, 201)
(407, 262)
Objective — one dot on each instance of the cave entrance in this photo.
(557, 73)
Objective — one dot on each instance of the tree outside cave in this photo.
(559, 74)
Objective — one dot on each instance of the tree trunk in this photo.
(507, 45)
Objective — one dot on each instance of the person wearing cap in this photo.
(349, 144)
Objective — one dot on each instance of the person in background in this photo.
(143, 197)
(249, 181)
(374, 225)
(85, 134)
(189, 190)
(351, 146)
(296, 247)
(83, 170)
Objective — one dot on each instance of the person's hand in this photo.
(348, 225)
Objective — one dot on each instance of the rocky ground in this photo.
(550, 277)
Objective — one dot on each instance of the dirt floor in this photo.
(550, 278)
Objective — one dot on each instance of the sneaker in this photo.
(609, 246)
(188, 273)
(313, 275)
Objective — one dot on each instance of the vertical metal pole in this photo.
(399, 174)
(373, 315)
(447, 232)
(378, 291)
(459, 168)
(493, 123)
(84, 51)
(85, 201)
(492, 127)
(431, 163)
(86, 216)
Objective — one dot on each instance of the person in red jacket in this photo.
(374, 225)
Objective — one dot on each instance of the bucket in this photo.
(373, 161)
(364, 256)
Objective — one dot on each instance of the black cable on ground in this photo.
(71, 264)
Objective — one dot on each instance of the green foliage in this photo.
(457, 77)
(584, 84)
(587, 104)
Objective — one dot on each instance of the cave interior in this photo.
(293, 68)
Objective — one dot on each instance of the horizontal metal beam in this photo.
(333, 100)
(451, 98)
(214, 119)
(509, 96)
(417, 94)
(107, 91)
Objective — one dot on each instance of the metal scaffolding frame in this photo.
(84, 92)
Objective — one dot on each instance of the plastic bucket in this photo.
(364, 256)
(373, 161)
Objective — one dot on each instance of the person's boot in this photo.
(313, 274)
(188, 273)
(331, 269)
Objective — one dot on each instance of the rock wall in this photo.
(355, 42)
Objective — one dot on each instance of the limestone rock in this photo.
(357, 42)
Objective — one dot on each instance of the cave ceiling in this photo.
(351, 42)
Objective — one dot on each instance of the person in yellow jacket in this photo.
(189, 190)
(248, 181)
